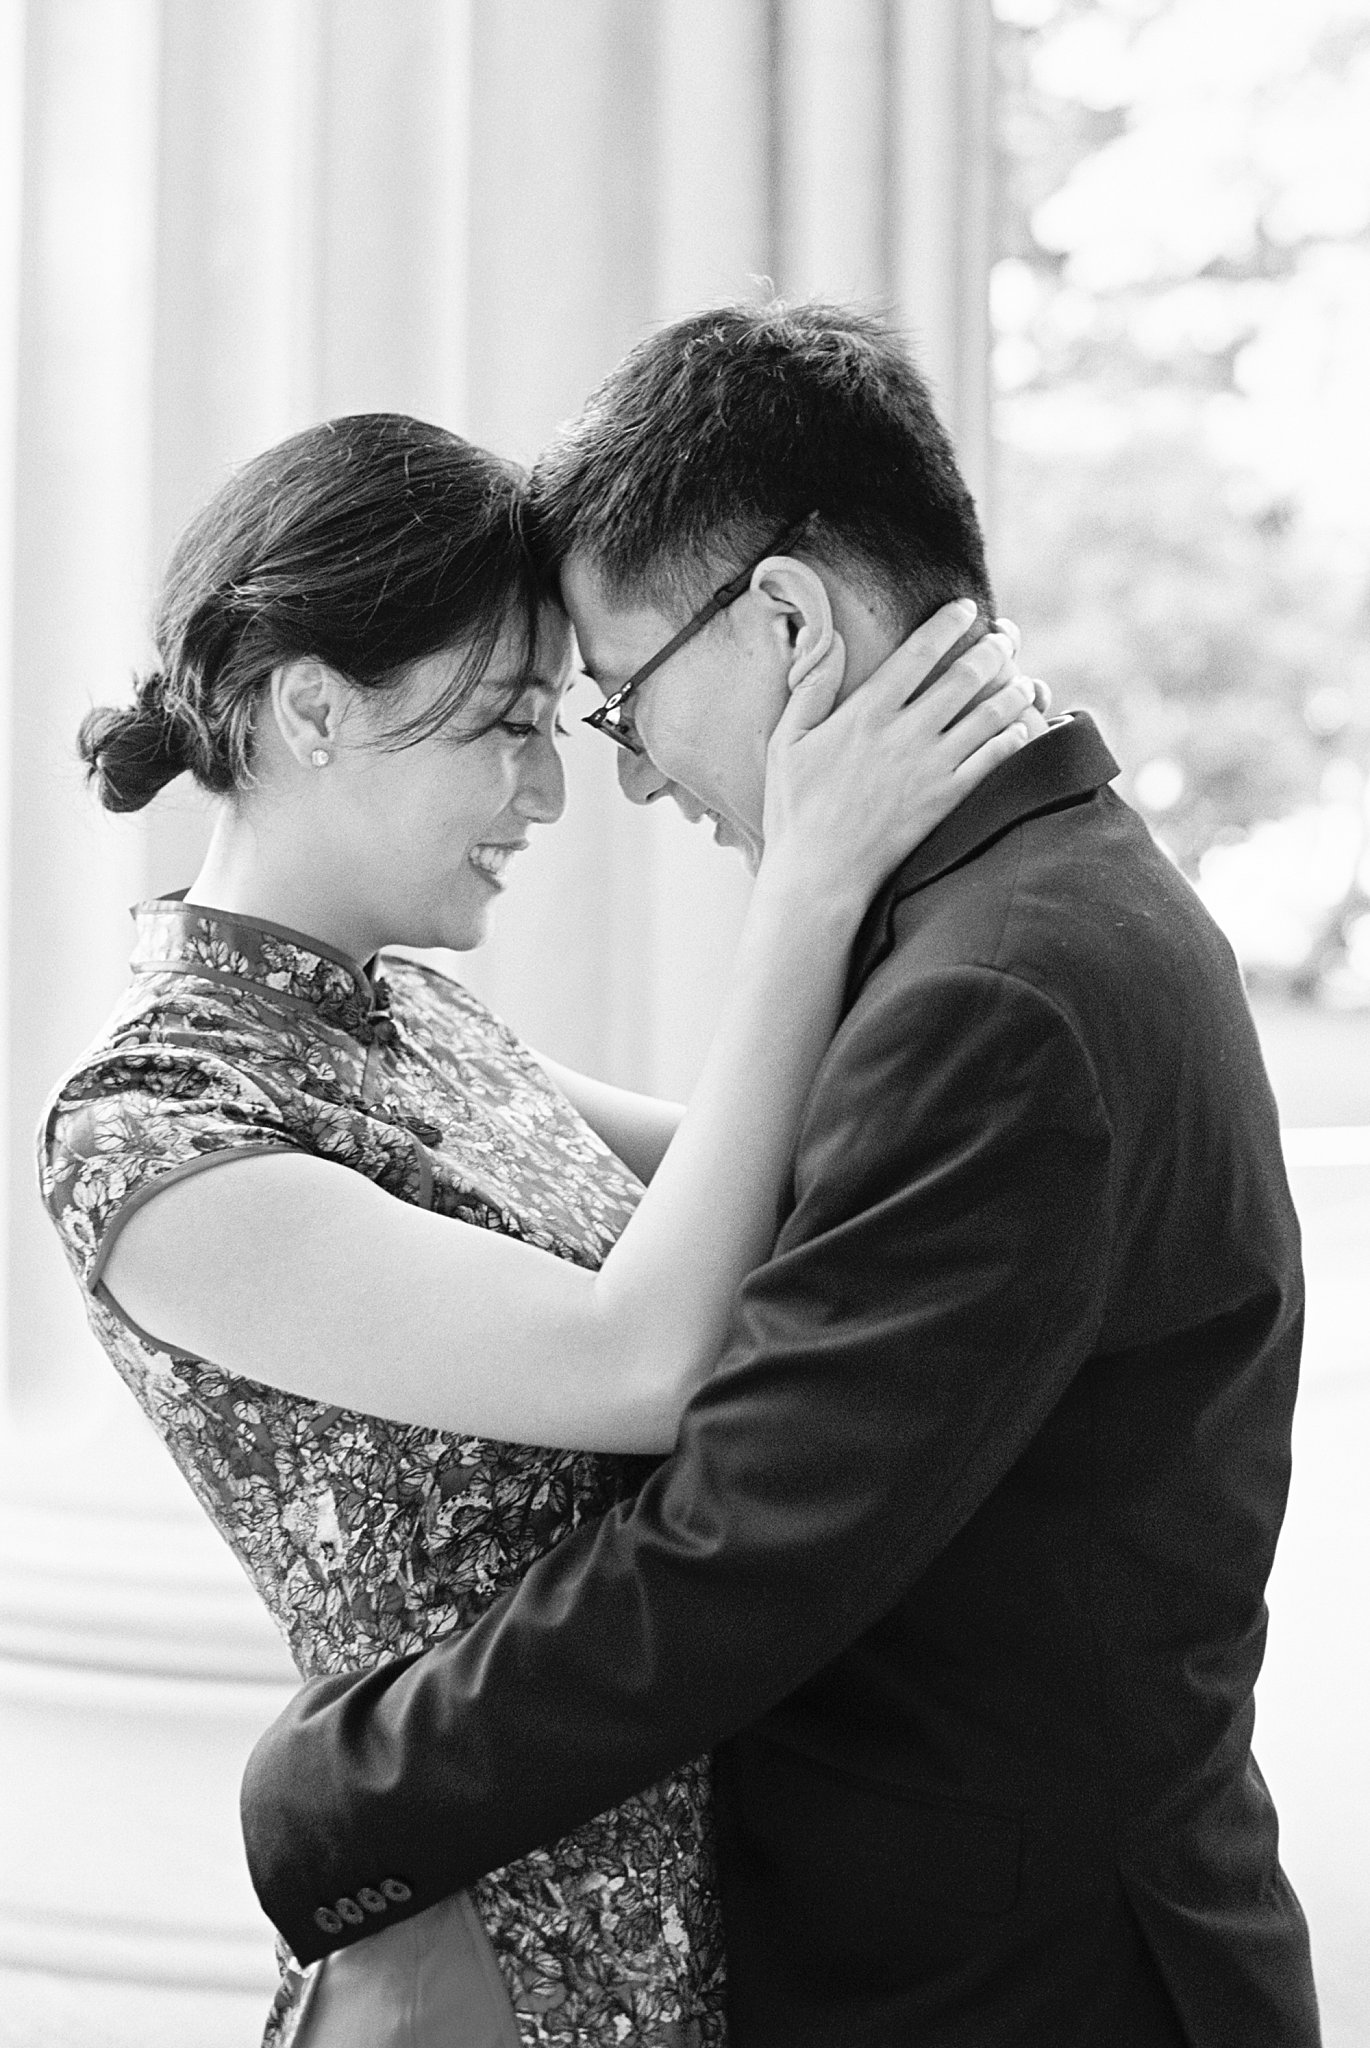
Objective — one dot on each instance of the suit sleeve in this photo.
(932, 1292)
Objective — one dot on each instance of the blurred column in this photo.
(83, 450)
(226, 376)
(941, 181)
(12, 40)
(832, 188)
(621, 924)
(387, 119)
(713, 152)
(884, 180)
(561, 282)
(311, 247)
(135, 1664)
(714, 168)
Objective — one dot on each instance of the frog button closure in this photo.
(426, 1133)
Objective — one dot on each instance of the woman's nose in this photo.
(541, 794)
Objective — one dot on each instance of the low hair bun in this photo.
(131, 753)
(367, 544)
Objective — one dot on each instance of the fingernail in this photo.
(965, 608)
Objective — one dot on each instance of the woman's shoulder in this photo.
(182, 1076)
(421, 990)
(154, 1049)
(136, 1109)
(444, 1014)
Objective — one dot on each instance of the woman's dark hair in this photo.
(368, 542)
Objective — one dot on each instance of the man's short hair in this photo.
(723, 429)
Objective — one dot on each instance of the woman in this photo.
(434, 1253)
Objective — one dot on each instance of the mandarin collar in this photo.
(174, 936)
(1069, 763)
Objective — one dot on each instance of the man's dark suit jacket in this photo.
(959, 1562)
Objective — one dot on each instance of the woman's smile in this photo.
(492, 858)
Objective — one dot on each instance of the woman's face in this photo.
(431, 828)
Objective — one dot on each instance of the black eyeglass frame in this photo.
(608, 719)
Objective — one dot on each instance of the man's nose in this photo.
(541, 796)
(640, 781)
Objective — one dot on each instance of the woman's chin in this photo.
(466, 926)
(460, 935)
(454, 928)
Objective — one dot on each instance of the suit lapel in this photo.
(1068, 763)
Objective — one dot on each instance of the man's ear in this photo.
(800, 601)
(307, 702)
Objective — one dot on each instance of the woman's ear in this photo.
(307, 703)
(801, 604)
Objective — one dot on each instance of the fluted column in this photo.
(941, 176)
(561, 236)
(135, 1664)
(387, 121)
(81, 575)
(621, 924)
(713, 170)
(833, 190)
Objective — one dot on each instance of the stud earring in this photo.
(321, 757)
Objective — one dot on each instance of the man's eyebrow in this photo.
(547, 684)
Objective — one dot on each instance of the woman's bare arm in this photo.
(306, 1276)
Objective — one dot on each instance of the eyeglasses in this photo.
(610, 717)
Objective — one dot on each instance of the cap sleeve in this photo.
(129, 1123)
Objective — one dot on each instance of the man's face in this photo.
(705, 717)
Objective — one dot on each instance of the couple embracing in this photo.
(788, 1572)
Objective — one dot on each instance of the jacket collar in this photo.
(1067, 764)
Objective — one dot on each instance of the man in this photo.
(958, 1565)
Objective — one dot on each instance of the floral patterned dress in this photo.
(367, 1538)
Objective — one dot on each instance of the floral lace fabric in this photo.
(368, 1538)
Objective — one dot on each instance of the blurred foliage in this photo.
(1182, 363)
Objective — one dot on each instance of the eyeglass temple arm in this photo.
(727, 594)
(717, 603)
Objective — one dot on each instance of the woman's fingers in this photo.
(937, 706)
(903, 673)
(901, 680)
(903, 677)
(992, 754)
(849, 791)
(986, 721)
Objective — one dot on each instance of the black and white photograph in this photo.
(685, 901)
